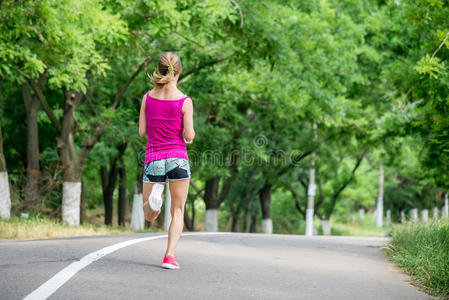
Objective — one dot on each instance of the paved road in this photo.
(223, 266)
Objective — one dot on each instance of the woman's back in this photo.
(164, 127)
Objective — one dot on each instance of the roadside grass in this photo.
(353, 226)
(36, 227)
(363, 227)
(422, 250)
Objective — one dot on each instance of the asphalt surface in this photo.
(227, 266)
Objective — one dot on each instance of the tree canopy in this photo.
(371, 75)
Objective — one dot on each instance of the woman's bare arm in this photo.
(187, 109)
(142, 119)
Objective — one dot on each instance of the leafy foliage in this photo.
(372, 75)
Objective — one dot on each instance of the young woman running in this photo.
(166, 117)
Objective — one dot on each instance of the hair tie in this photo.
(170, 68)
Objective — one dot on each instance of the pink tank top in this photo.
(164, 127)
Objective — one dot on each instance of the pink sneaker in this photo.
(169, 262)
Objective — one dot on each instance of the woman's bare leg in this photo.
(178, 191)
(150, 215)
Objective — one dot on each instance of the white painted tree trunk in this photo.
(5, 196)
(402, 216)
(267, 226)
(137, 216)
(211, 220)
(167, 214)
(309, 222)
(71, 199)
(311, 191)
(435, 212)
(326, 227)
(445, 212)
(414, 214)
(388, 217)
(425, 215)
(361, 214)
(380, 199)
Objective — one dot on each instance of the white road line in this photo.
(54, 283)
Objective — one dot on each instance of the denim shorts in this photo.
(167, 168)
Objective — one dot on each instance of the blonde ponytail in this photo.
(169, 65)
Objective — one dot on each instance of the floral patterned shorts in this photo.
(171, 168)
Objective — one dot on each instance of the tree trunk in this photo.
(5, 197)
(311, 190)
(83, 216)
(236, 213)
(361, 214)
(253, 226)
(211, 220)
(267, 226)
(137, 217)
(235, 217)
(122, 196)
(388, 217)
(108, 181)
(247, 217)
(425, 215)
(71, 176)
(265, 199)
(298, 207)
(247, 222)
(212, 203)
(33, 171)
(445, 212)
(326, 226)
(414, 214)
(380, 199)
(71, 199)
(310, 197)
(403, 216)
(71, 166)
(435, 213)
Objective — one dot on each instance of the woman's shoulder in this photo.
(150, 92)
(182, 95)
(187, 97)
(172, 95)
